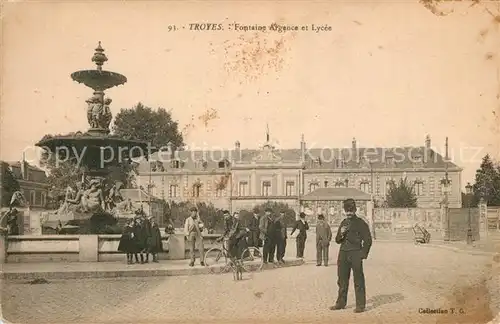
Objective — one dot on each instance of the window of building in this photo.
(201, 164)
(364, 163)
(196, 190)
(419, 188)
(339, 163)
(444, 187)
(313, 186)
(388, 184)
(390, 161)
(289, 188)
(219, 192)
(173, 191)
(417, 160)
(44, 199)
(365, 186)
(243, 188)
(341, 183)
(33, 198)
(326, 183)
(176, 164)
(266, 188)
(223, 164)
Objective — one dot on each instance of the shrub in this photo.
(212, 217)
(276, 207)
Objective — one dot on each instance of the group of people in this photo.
(141, 237)
(270, 233)
(273, 234)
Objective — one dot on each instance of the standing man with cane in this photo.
(194, 236)
(355, 242)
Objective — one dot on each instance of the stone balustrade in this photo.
(85, 248)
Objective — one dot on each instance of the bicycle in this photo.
(214, 255)
(218, 260)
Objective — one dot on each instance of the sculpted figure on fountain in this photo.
(98, 112)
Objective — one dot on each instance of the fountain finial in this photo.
(99, 57)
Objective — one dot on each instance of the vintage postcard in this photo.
(250, 161)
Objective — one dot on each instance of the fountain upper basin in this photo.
(99, 80)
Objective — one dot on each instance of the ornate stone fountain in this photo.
(95, 150)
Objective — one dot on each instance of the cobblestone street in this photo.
(401, 279)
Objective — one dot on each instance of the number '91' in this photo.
(171, 28)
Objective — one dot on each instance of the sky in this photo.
(387, 73)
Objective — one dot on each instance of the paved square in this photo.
(401, 279)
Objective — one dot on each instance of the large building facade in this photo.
(238, 178)
(32, 182)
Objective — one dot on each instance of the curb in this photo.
(54, 275)
(459, 250)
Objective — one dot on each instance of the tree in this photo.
(143, 123)
(209, 215)
(9, 184)
(487, 182)
(276, 207)
(401, 195)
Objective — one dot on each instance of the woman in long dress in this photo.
(155, 245)
(127, 244)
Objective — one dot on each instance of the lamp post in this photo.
(468, 191)
(372, 200)
(445, 185)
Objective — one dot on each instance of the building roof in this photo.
(336, 194)
(315, 158)
(137, 195)
(17, 164)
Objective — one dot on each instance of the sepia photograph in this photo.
(250, 161)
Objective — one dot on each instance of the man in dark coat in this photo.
(155, 244)
(281, 237)
(355, 242)
(253, 226)
(302, 226)
(237, 238)
(267, 235)
(228, 227)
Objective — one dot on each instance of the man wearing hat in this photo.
(302, 226)
(267, 235)
(253, 226)
(194, 236)
(281, 237)
(355, 242)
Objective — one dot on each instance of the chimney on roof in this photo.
(24, 168)
(354, 150)
(237, 148)
(428, 141)
(302, 148)
(446, 147)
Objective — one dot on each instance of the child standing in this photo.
(127, 242)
